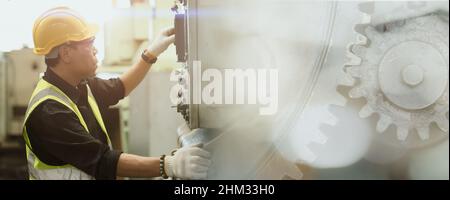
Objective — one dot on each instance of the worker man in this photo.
(64, 130)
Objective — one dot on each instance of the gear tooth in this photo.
(402, 133)
(383, 123)
(442, 123)
(309, 156)
(346, 80)
(356, 93)
(321, 139)
(358, 50)
(373, 34)
(424, 132)
(354, 59)
(362, 40)
(366, 111)
(340, 100)
(354, 71)
(361, 29)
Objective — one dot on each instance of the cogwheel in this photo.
(315, 145)
(402, 71)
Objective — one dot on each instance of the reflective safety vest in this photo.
(37, 169)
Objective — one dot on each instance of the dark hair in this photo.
(51, 62)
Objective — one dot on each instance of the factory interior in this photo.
(331, 90)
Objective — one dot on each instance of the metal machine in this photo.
(19, 74)
(23, 69)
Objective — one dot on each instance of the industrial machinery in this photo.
(338, 63)
(15, 82)
(23, 69)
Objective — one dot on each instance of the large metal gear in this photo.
(402, 71)
(318, 133)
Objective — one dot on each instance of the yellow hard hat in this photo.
(58, 26)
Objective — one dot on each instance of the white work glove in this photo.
(162, 42)
(188, 163)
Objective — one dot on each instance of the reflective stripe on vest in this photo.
(38, 169)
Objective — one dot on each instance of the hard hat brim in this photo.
(91, 31)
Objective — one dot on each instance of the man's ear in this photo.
(64, 54)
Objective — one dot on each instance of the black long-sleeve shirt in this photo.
(57, 136)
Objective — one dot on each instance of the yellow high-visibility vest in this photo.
(39, 170)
